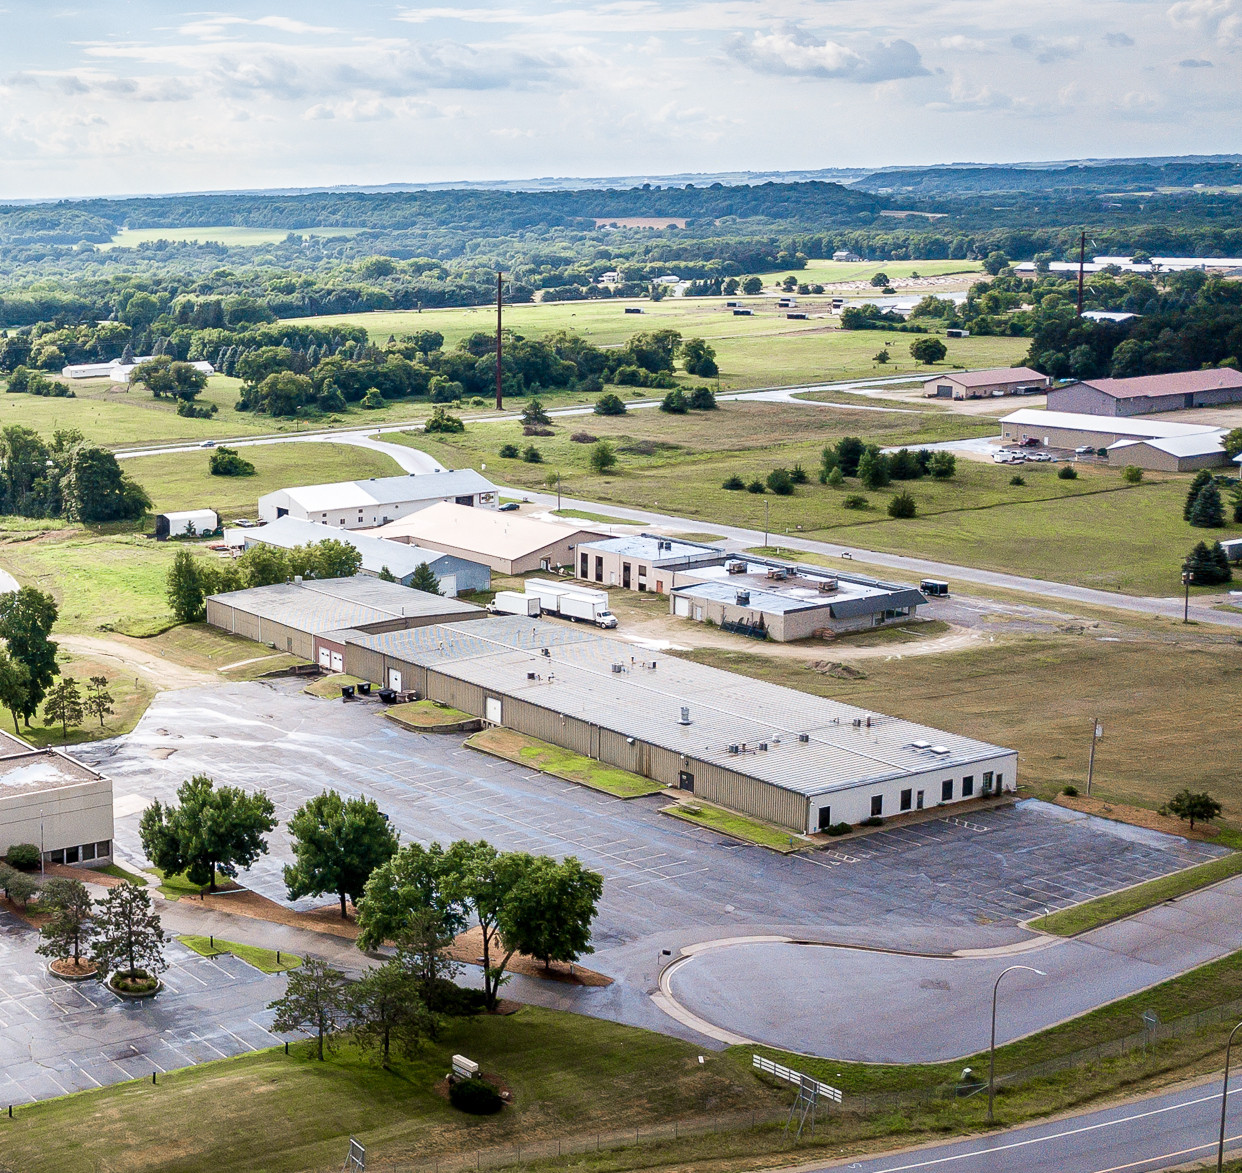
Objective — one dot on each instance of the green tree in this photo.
(549, 913)
(1208, 564)
(94, 489)
(69, 930)
(386, 575)
(835, 478)
(533, 415)
(1208, 512)
(187, 585)
(337, 844)
(699, 358)
(873, 469)
(316, 1000)
(995, 262)
(14, 686)
(129, 939)
(26, 619)
(902, 505)
(1233, 443)
(413, 882)
(1201, 478)
(63, 706)
(18, 886)
(603, 457)
(1194, 807)
(425, 580)
(928, 350)
(752, 285)
(942, 465)
(98, 701)
(212, 830)
(781, 482)
(228, 462)
(386, 1009)
(881, 356)
(702, 399)
(442, 421)
(163, 375)
(609, 404)
(880, 280)
(532, 455)
(848, 451)
(1132, 474)
(675, 402)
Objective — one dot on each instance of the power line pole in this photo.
(500, 398)
(1082, 258)
(1097, 731)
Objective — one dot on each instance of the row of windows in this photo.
(914, 800)
(83, 853)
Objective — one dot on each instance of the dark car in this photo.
(508, 507)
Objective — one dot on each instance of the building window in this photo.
(877, 805)
(71, 855)
(907, 799)
(987, 781)
(968, 785)
(946, 790)
(57, 856)
(585, 572)
(599, 568)
(88, 852)
(104, 849)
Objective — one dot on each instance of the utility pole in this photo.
(1082, 258)
(1097, 731)
(765, 523)
(500, 397)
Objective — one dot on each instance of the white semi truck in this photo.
(571, 601)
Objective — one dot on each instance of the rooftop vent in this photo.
(618, 667)
(743, 598)
(940, 749)
(921, 744)
(763, 747)
(827, 585)
(530, 676)
(547, 652)
(684, 719)
(804, 738)
(735, 567)
(734, 749)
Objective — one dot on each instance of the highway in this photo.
(1142, 1136)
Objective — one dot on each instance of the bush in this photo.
(1131, 474)
(756, 486)
(838, 829)
(226, 462)
(734, 482)
(702, 399)
(1070, 791)
(19, 887)
(475, 1096)
(798, 475)
(509, 451)
(781, 482)
(532, 455)
(855, 501)
(610, 404)
(942, 465)
(603, 458)
(195, 411)
(835, 479)
(23, 856)
(537, 430)
(441, 421)
(139, 982)
(872, 821)
(1067, 472)
(902, 505)
(1016, 479)
(583, 438)
(675, 403)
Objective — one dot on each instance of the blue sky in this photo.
(143, 96)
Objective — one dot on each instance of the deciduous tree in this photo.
(549, 913)
(63, 705)
(26, 619)
(316, 1000)
(386, 1010)
(1189, 806)
(14, 686)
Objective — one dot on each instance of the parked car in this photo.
(1030, 441)
(208, 444)
(1084, 450)
(1041, 457)
(1008, 457)
(508, 507)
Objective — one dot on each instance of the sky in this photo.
(147, 96)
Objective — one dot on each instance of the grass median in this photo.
(265, 960)
(562, 763)
(736, 826)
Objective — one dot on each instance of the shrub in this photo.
(603, 458)
(781, 482)
(537, 430)
(902, 505)
(195, 411)
(675, 403)
(227, 462)
(1017, 479)
(1070, 791)
(756, 486)
(838, 829)
(19, 887)
(836, 478)
(702, 399)
(475, 1096)
(583, 438)
(734, 482)
(509, 451)
(942, 465)
(532, 455)
(798, 475)
(872, 821)
(610, 404)
(1131, 474)
(23, 856)
(441, 421)
(855, 501)
(1067, 472)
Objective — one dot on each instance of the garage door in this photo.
(681, 607)
(338, 662)
(325, 658)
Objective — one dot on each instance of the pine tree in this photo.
(425, 580)
(1207, 511)
(1202, 477)
(63, 705)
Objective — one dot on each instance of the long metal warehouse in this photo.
(781, 755)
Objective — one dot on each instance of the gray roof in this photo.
(428, 486)
(647, 547)
(577, 678)
(401, 560)
(316, 606)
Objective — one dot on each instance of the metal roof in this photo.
(655, 548)
(988, 377)
(488, 532)
(1206, 444)
(316, 606)
(1175, 383)
(426, 486)
(639, 694)
(1140, 429)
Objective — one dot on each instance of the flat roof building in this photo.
(53, 801)
(797, 760)
(1144, 394)
(643, 562)
(996, 381)
(293, 616)
(400, 560)
(506, 542)
(375, 502)
(1063, 429)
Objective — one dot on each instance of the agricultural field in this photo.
(230, 236)
(904, 275)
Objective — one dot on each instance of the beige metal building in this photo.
(793, 759)
(1175, 454)
(507, 542)
(53, 801)
(1063, 429)
(289, 616)
(997, 381)
(645, 562)
(1175, 391)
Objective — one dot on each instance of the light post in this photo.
(42, 844)
(1097, 731)
(992, 1048)
(1188, 576)
(1224, 1101)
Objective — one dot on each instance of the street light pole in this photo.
(1096, 733)
(1187, 578)
(1224, 1101)
(992, 1048)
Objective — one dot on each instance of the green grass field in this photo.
(428, 716)
(827, 272)
(265, 960)
(562, 763)
(130, 696)
(183, 480)
(716, 818)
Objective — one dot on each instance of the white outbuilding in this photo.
(186, 523)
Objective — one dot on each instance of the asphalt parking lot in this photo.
(58, 1037)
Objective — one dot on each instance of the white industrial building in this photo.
(380, 500)
(54, 802)
(186, 523)
(118, 371)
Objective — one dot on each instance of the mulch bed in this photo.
(1137, 816)
(441, 1086)
(468, 947)
(66, 968)
(250, 904)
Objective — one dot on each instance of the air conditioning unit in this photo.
(743, 598)
(734, 749)
(804, 738)
(735, 567)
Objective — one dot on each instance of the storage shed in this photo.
(1172, 454)
(996, 381)
(186, 523)
(1145, 394)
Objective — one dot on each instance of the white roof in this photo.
(390, 490)
(1142, 429)
(483, 531)
(1107, 315)
(190, 514)
(1200, 445)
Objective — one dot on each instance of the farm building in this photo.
(307, 617)
(507, 542)
(997, 381)
(646, 562)
(118, 371)
(1149, 393)
(1171, 454)
(186, 523)
(55, 802)
(400, 560)
(366, 504)
(1064, 429)
(800, 761)
(780, 601)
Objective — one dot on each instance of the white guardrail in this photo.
(789, 1075)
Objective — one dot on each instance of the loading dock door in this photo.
(338, 662)
(686, 781)
(681, 606)
(325, 658)
(394, 679)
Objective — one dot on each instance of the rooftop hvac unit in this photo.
(684, 719)
(763, 747)
(743, 598)
(776, 574)
(921, 744)
(804, 738)
(940, 749)
(827, 585)
(618, 667)
(857, 722)
(530, 676)
(547, 652)
(735, 568)
(734, 749)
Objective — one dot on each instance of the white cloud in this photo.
(1220, 20)
(793, 53)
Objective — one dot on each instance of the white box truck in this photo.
(577, 607)
(512, 603)
(572, 601)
